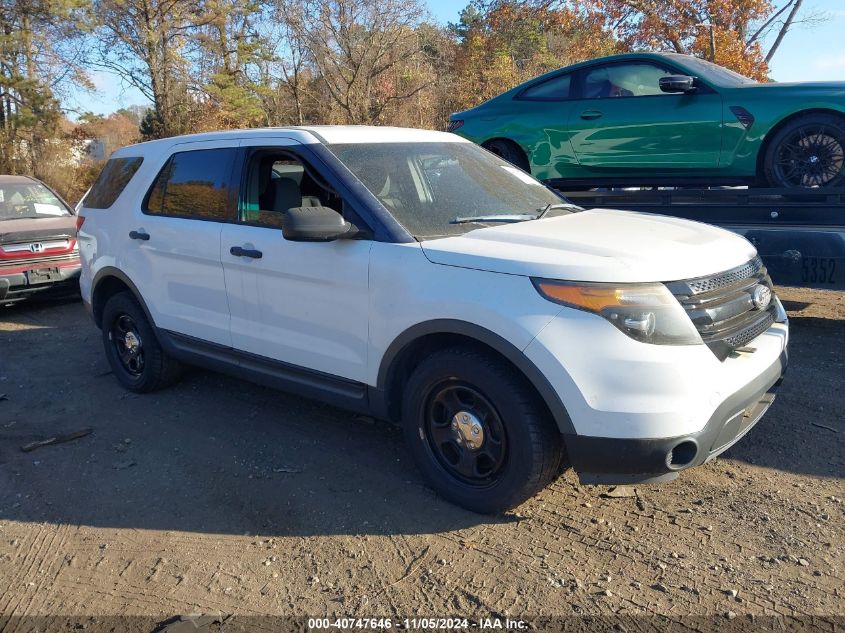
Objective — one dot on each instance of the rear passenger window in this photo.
(194, 185)
(553, 89)
(111, 182)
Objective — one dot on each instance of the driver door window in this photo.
(624, 80)
(278, 182)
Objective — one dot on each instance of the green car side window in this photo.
(556, 88)
(637, 79)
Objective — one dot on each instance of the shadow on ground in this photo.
(804, 431)
(218, 455)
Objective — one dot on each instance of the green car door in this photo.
(623, 120)
(540, 115)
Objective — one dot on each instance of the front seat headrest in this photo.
(286, 194)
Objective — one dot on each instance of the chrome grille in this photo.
(709, 284)
(36, 247)
(722, 308)
(744, 337)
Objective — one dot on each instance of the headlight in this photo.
(645, 312)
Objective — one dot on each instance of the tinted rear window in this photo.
(112, 180)
(194, 185)
(551, 90)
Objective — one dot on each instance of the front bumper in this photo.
(606, 460)
(14, 286)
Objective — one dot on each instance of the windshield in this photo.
(437, 189)
(715, 73)
(29, 200)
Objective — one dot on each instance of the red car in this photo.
(38, 249)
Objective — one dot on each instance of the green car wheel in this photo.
(807, 152)
(510, 151)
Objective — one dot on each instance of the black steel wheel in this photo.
(465, 433)
(809, 152)
(128, 346)
(478, 431)
(137, 359)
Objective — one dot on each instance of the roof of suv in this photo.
(328, 134)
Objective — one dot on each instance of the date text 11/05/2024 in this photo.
(349, 623)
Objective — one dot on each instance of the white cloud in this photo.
(830, 62)
(103, 82)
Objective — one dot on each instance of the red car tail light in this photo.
(454, 124)
(80, 220)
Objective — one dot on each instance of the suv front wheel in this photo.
(477, 431)
(134, 353)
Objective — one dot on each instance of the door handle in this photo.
(239, 251)
(591, 114)
(139, 235)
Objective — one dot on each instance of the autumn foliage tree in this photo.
(507, 43)
(716, 30)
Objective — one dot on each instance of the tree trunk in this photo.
(783, 30)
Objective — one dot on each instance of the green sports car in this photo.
(664, 119)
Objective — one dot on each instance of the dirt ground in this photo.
(218, 496)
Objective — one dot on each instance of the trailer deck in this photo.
(800, 234)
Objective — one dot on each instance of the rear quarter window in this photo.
(111, 182)
(554, 89)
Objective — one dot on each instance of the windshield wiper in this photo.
(559, 205)
(502, 217)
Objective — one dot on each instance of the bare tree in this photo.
(143, 41)
(288, 69)
(790, 19)
(361, 50)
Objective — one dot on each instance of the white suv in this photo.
(416, 277)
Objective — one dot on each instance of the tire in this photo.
(518, 449)
(510, 151)
(809, 151)
(132, 349)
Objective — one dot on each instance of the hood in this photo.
(32, 229)
(597, 245)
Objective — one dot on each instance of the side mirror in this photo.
(677, 84)
(315, 224)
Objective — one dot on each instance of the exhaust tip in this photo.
(682, 455)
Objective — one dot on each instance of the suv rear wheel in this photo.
(477, 431)
(133, 351)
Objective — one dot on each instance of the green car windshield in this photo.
(437, 189)
(717, 74)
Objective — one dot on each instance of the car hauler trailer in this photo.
(799, 233)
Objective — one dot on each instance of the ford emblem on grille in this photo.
(36, 247)
(761, 296)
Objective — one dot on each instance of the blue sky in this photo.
(807, 54)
